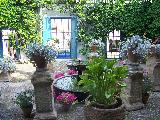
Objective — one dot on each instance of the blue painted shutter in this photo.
(46, 35)
(1, 45)
(74, 37)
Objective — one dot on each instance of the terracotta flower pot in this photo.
(66, 107)
(27, 111)
(132, 57)
(145, 97)
(94, 48)
(93, 112)
(40, 61)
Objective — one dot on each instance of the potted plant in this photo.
(104, 81)
(41, 79)
(40, 54)
(7, 66)
(93, 48)
(147, 87)
(66, 99)
(135, 48)
(25, 101)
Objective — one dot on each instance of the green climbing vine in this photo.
(22, 16)
(129, 16)
(95, 19)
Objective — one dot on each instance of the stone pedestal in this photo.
(156, 77)
(151, 62)
(42, 82)
(153, 68)
(133, 92)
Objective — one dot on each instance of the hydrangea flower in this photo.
(7, 64)
(98, 43)
(45, 52)
(138, 45)
(72, 72)
(66, 98)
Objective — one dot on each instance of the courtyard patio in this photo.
(21, 81)
(79, 60)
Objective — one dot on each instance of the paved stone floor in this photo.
(21, 81)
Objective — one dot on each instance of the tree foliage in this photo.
(154, 16)
(96, 20)
(135, 18)
(22, 17)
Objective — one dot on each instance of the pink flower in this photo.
(66, 98)
(122, 62)
(145, 72)
(56, 75)
(72, 72)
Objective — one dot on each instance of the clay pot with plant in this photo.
(135, 49)
(104, 81)
(66, 99)
(25, 101)
(147, 87)
(7, 66)
(40, 54)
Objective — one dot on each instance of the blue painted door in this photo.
(74, 41)
(46, 33)
(60, 32)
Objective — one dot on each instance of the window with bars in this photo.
(61, 35)
(112, 44)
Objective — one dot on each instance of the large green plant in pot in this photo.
(104, 81)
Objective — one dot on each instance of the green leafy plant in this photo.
(25, 98)
(104, 80)
(22, 16)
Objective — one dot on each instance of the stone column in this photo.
(155, 70)
(42, 82)
(156, 76)
(133, 92)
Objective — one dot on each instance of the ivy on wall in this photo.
(154, 16)
(135, 18)
(96, 20)
(22, 17)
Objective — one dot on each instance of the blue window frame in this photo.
(63, 29)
